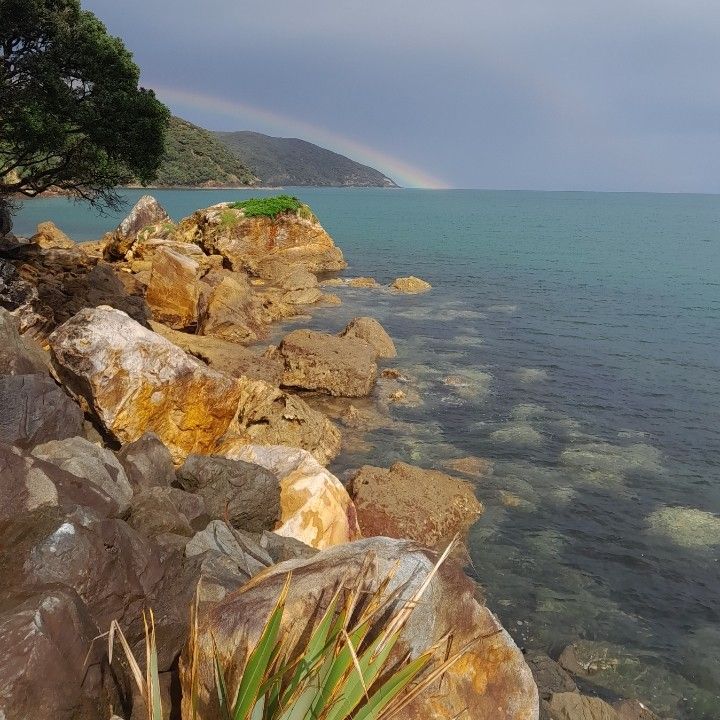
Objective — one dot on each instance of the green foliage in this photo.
(71, 112)
(194, 157)
(273, 206)
(228, 218)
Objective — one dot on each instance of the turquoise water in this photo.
(585, 329)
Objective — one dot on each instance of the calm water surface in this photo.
(585, 329)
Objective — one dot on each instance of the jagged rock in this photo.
(246, 243)
(427, 506)
(373, 333)
(15, 293)
(549, 675)
(315, 508)
(147, 211)
(147, 462)
(48, 666)
(268, 416)
(28, 483)
(573, 706)
(144, 251)
(158, 510)
(94, 464)
(410, 285)
(174, 291)
(133, 380)
(228, 357)
(318, 361)
(33, 410)
(246, 495)
(19, 355)
(490, 681)
(50, 236)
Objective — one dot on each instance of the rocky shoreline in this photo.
(149, 442)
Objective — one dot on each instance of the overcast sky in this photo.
(535, 94)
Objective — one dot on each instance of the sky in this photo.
(503, 94)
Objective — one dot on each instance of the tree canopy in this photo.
(72, 114)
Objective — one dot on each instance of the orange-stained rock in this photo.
(174, 291)
(427, 506)
(248, 242)
(146, 212)
(134, 381)
(490, 682)
(315, 507)
(50, 236)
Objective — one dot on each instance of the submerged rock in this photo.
(491, 680)
(573, 706)
(475, 467)
(410, 285)
(315, 508)
(373, 333)
(408, 502)
(686, 527)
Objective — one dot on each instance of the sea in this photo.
(573, 339)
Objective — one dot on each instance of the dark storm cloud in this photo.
(519, 94)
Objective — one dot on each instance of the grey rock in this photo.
(34, 410)
(147, 462)
(281, 548)
(549, 676)
(19, 355)
(157, 510)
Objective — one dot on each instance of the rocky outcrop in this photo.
(246, 495)
(373, 333)
(491, 680)
(174, 291)
(248, 242)
(147, 211)
(19, 355)
(337, 366)
(410, 285)
(34, 410)
(315, 508)
(49, 236)
(427, 506)
(134, 381)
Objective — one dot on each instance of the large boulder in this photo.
(33, 410)
(158, 510)
(248, 242)
(91, 462)
(343, 367)
(133, 380)
(315, 508)
(489, 681)
(246, 495)
(49, 236)
(174, 291)
(404, 501)
(49, 665)
(19, 355)
(147, 211)
(28, 483)
(373, 333)
(147, 462)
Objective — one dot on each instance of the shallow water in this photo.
(585, 329)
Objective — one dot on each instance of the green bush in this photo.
(272, 206)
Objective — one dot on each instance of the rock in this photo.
(28, 483)
(410, 285)
(306, 296)
(147, 211)
(394, 374)
(134, 381)
(315, 508)
(491, 680)
(549, 676)
(15, 292)
(585, 658)
(246, 243)
(19, 355)
(633, 710)
(363, 282)
(228, 357)
(246, 495)
(158, 510)
(233, 312)
(94, 464)
(147, 462)
(281, 548)
(318, 361)
(373, 333)
(49, 667)
(174, 292)
(298, 278)
(427, 506)
(573, 706)
(144, 251)
(49, 236)
(475, 467)
(33, 410)
(218, 537)
(268, 416)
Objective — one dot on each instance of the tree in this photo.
(71, 113)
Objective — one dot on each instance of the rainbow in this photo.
(254, 117)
